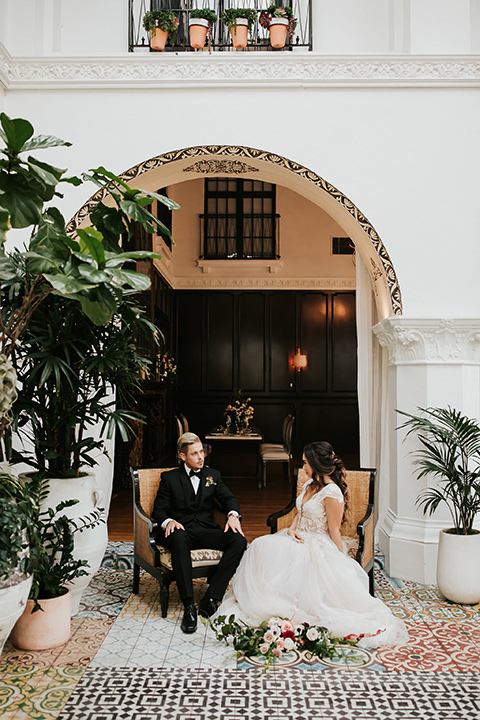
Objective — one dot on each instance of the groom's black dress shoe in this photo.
(189, 622)
(207, 606)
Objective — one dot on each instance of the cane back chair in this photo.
(153, 558)
(357, 528)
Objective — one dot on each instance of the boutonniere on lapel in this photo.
(209, 481)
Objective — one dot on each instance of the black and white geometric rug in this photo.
(149, 694)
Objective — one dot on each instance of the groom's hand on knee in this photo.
(172, 526)
(233, 523)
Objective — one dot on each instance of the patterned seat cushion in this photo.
(200, 558)
(351, 545)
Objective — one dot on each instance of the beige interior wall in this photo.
(305, 239)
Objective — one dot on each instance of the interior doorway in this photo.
(379, 295)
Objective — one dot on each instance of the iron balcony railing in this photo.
(138, 37)
(254, 236)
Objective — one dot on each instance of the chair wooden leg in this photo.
(286, 471)
(136, 578)
(371, 582)
(164, 596)
(264, 477)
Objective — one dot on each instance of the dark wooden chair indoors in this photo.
(277, 452)
(154, 558)
(357, 529)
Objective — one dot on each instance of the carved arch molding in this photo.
(233, 163)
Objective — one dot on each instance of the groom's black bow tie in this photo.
(196, 474)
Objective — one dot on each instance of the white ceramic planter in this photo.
(12, 604)
(458, 567)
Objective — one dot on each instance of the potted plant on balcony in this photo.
(450, 452)
(45, 620)
(159, 23)
(200, 26)
(279, 21)
(15, 577)
(85, 284)
(239, 22)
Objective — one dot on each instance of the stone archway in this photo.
(231, 160)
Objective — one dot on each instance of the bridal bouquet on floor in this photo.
(276, 637)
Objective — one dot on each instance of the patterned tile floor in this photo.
(124, 661)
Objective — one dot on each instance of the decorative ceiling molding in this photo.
(259, 283)
(424, 340)
(237, 151)
(232, 167)
(238, 69)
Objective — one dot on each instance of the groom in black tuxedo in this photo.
(183, 508)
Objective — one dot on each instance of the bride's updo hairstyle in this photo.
(323, 461)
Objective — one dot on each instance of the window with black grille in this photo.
(342, 246)
(239, 221)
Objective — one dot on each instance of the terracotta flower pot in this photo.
(158, 39)
(239, 34)
(47, 629)
(198, 32)
(278, 32)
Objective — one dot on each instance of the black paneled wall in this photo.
(232, 340)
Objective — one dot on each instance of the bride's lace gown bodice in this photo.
(312, 517)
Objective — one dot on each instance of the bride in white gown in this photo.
(302, 574)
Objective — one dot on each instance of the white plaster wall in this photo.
(407, 157)
(440, 26)
(51, 27)
(347, 26)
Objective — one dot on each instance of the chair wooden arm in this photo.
(366, 544)
(145, 529)
(283, 518)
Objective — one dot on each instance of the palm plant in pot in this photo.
(49, 538)
(450, 452)
(279, 21)
(239, 22)
(158, 24)
(201, 26)
(15, 577)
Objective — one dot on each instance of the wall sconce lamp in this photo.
(299, 361)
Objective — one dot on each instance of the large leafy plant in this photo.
(13, 542)
(88, 280)
(450, 451)
(48, 537)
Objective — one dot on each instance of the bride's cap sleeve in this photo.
(332, 490)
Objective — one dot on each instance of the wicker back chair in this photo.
(357, 528)
(153, 558)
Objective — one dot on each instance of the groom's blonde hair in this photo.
(185, 440)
